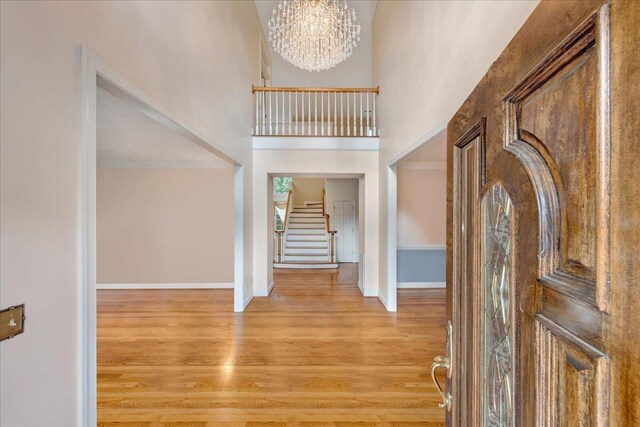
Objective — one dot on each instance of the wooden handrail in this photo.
(286, 212)
(323, 196)
(255, 89)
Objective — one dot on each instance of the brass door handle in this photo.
(441, 362)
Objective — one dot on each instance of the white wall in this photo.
(429, 55)
(164, 225)
(307, 190)
(422, 207)
(198, 59)
(355, 72)
(427, 58)
(318, 163)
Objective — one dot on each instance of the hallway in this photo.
(314, 353)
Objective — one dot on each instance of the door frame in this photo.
(93, 71)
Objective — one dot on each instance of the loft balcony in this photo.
(315, 118)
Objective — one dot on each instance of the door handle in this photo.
(441, 362)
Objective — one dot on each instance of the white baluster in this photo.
(255, 97)
(368, 129)
(341, 114)
(361, 129)
(322, 112)
(290, 115)
(309, 114)
(296, 112)
(277, 113)
(348, 114)
(335, 113)
(375, 131)
(270, 116)
(315, 110)
(329, 113)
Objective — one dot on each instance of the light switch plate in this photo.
(11, 322)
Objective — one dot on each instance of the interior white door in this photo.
(343, 221)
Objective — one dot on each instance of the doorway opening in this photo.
(317, 227)
(133, 195)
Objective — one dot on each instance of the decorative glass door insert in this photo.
(496, 307)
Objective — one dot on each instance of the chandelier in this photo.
(314, 35)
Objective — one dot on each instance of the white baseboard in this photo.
(422, 285)
(270, 288)
(164, 286)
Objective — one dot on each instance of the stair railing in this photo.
(309, 111)
(331, 236)
(281, 234)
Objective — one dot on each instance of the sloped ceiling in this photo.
(128, 137)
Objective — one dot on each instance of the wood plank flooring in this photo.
(314, 353)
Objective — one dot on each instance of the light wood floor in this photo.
(314, 353)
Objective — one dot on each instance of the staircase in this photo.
(305, 241)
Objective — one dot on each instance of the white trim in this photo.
(164, 286)
(424, 138)
(392, 239)
(271, 286)
(243, 288)
(423, 248)
(422, 285)
(316, 143)
(164, 165)
(423, 165)
(94, 70)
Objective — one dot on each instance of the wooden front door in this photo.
(544, 226)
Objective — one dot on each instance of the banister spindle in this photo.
(290, 115)
(348, 114)
(361, 129)
(341, 114)
(277, 113)
(302, 102)
(309, 114)
(270, 116)
(296, 96)
(335, 113)
(329, 113)
(283, 128)
(375, 131)
(315, 110)
(368, 128)
(322, 113)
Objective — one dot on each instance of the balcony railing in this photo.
(296, 111)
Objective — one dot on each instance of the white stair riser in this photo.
(291, 251)
(312, 244)
(319, 226)
(306, 215)
(296, 220)
(307, 237)
(305, 258)
(304, 232)
(307, 212)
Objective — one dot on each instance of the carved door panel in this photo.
(543, 251)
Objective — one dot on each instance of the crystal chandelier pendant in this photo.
(314, 35)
